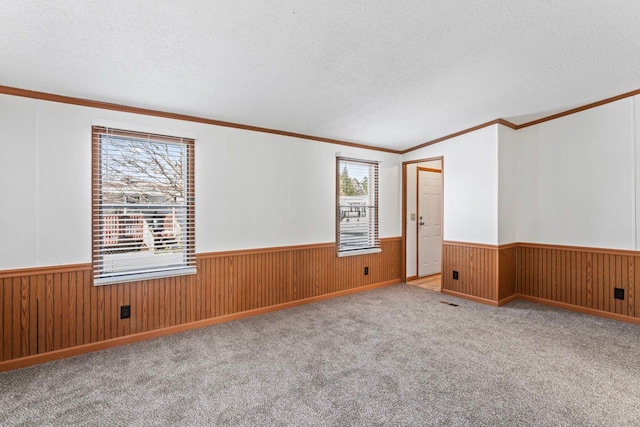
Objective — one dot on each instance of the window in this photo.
(143, 206)
(356, 207)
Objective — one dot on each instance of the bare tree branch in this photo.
(143, 170)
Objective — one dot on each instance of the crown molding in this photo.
(579, 109)
(6, 90)
(462, 132)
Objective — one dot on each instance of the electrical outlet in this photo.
(455, 275)
(125, 311)
(618, 293)
(366, 271)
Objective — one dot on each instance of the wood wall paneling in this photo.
(570, 277)
(49, 309)
(580, 277)
(507, 272)
(46, 310)
(477, 268)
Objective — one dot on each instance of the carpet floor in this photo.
(390, 356)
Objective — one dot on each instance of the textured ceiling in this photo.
(386, 73)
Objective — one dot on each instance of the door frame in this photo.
(418, 169)
(405, 221)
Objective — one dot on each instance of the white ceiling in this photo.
(386, 73)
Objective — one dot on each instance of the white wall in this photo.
(253, 189)
(470, 184)
(569, 181)
(507, 185)
(18, 183)
(636, 172)
(576, 179)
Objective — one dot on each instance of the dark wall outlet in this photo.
(455, 275)
(125, 311)
(618, 293)
(366, 271)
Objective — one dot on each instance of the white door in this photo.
(429, 222)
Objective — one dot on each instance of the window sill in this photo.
(144, 276)
(358, 252)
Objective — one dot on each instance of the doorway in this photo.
(422, 243)
(429, 221)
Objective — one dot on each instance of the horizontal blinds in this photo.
(357, 205)
(143, 206)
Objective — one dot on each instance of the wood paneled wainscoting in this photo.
(55, 312)
(580, 279)
(575, 278)
(486, 273)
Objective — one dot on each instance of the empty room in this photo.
(319, 213)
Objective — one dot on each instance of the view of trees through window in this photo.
(352, 186)
(137, 171)
(357, 209)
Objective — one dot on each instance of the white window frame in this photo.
(112, 261)
(368, 210)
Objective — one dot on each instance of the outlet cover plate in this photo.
(125, 311)
(618, 293)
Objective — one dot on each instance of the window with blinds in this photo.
(143, 206)
(356, 207)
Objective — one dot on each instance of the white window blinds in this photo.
(356, 206)
(143, 206)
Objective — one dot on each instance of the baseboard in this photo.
(470, 297)
(556, 304)
(564, 306)
(410, 278)
(480, 300)
(578, 309)
(508, 299)
(35, 359)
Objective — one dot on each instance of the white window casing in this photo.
(143, 206)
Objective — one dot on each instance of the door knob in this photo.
(421, 223)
